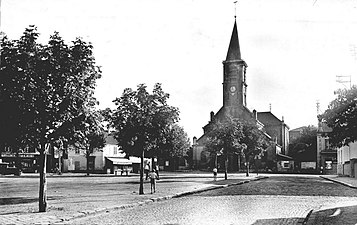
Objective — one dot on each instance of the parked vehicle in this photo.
(5, 169)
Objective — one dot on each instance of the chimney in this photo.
(255, 114)
(212, 116)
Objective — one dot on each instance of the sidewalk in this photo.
(344, 214)
(120, 193)
(347, 181)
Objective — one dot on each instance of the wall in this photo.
(347, 169)
(353, 150)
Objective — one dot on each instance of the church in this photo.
(235, 106)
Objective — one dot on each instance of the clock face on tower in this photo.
(232, 89)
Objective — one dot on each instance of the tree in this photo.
(50, 88)
(341, 116)
(141, 121)
(304, 147)
(176, 144)
(254, 142)
(91, 134)
(225, 138)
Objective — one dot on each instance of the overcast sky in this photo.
(294, 49)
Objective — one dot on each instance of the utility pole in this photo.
(2, 34)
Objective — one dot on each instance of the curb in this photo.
(306, 219)
(340, 182)
(148, 201)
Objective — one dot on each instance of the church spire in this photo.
(234, 49)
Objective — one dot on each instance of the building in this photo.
(277, 129)
(326, 159)
(109, 159)
(235, 106)
(347, 160)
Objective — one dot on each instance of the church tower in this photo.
(234, 75)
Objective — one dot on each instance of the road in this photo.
(276, 200)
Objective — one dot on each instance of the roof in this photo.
(234, 49)
(268, 118)
(282, 157)
(110, 140)
(323, 127)
(299, 129)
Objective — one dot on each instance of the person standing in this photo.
(157, 171)
(146, 170)
(215, 174)
(153, 177)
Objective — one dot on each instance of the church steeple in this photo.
(234, 49)
(234, 78)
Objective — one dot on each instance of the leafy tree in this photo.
(90, 134)
(341, 116)
(254, 142)
(176, 144)
(225, 138)
(141, 121)
(304, 147)
(50, 87)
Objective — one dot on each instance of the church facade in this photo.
(235, 106)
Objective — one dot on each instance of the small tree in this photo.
(175, 145)
(141, 121)
(304, 147)
(225, 138)
(254, 142)
(341, 116)
(91, 134)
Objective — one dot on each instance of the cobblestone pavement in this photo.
(239, 209)
(336, 212)
(77, 196)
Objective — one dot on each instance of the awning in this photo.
(119, 161)
(282, 157)
(134, 159)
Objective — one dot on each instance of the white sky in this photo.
(294, 49)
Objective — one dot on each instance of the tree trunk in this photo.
(247, 162)
(43, 183)
(226, 168)
(141, 188)
(87, 155)
(239, 162)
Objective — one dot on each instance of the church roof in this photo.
(268, 118)
(234, 49)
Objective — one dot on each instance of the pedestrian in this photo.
(153, 177)
(146, 170)
(215, 174)
(157, 171)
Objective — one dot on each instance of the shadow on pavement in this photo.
(339, 215)
(23, 200)
(293, 220)
(17, 200)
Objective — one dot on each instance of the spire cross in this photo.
(235, 9)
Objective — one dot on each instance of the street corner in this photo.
(346, 181)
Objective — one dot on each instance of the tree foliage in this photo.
(46, 91)
(176, 143)
(254, 140)
(304, 147)
(224, 138)
(90, 133)
(233, 136)
(341, 116)
(141, 121)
